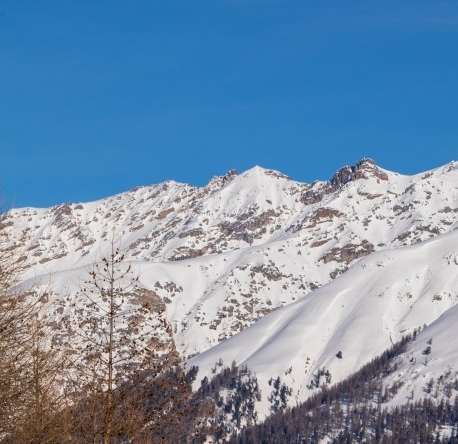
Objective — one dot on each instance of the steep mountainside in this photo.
(347, 265)
(338, 328)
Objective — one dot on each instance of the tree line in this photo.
(353, 411)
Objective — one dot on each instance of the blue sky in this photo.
(97, 97)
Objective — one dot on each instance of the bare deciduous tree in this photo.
(15, 315)
(128, 378)
(30, 395)
(43, 415)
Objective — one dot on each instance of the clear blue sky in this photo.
(97, 97)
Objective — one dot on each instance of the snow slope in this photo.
(361, 313)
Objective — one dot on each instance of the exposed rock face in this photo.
(349, 252)
(365, 169)
(220, 181)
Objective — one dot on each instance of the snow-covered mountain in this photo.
(348, 264)
(347, 322)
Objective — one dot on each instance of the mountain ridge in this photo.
(223, 256)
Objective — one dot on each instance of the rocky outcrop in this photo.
(220, 181)
(365, 169)
(349, 252)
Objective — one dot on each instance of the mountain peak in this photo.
(364, 169)
(257, 171)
